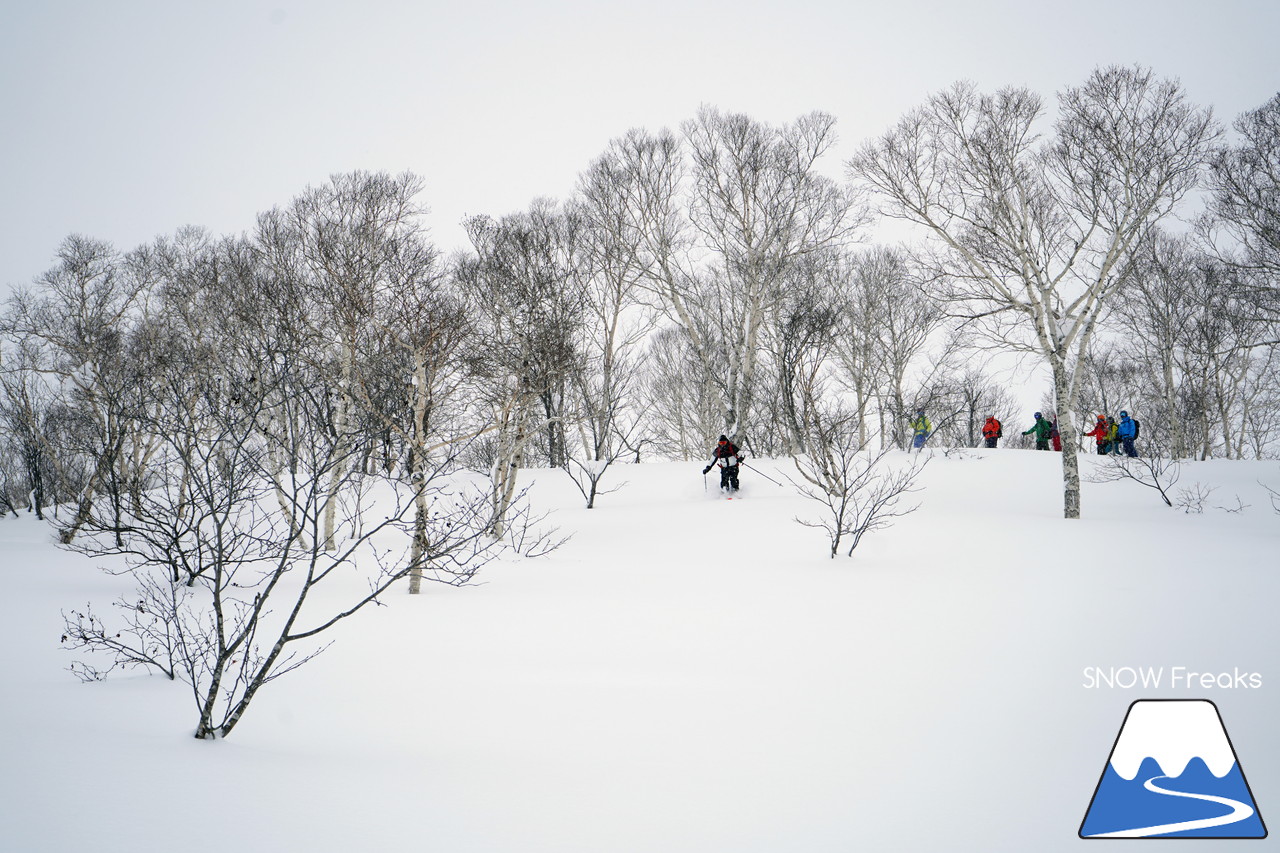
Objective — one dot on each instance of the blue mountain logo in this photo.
(1173, 773)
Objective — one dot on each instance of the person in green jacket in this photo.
(921, 429)
(1043, 429)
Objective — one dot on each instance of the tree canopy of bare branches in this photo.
(722, 216)
(1032, 235)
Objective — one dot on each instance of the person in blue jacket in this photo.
(1127, 431)
(921, 429)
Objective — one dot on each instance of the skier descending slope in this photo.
(727, 456)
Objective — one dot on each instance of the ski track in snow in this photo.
(1241, 811)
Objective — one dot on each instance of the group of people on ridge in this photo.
(1112, 436)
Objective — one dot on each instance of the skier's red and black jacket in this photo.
(726, 455)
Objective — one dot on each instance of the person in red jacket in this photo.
(727, 456)
(992, 431)
(1100, 432)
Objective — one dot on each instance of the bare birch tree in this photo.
(719, 231)
(25, 401)
(615, 326)
(682, 407)
(333, 244)
(1245, 203)
(802, 339)
(1157, 317)
(525, 291)
(409, 379)
(76, 327)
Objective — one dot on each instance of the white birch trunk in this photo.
(1064, 391)
(339, 472)
(417, 476)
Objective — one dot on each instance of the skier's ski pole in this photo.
(762, 474)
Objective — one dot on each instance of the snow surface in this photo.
(686, 674)
(1172, 733)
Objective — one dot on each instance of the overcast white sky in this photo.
(125, 120)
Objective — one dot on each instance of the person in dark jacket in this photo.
(727, 457)
(1042, 428)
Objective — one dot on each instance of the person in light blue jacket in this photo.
(1127, 431)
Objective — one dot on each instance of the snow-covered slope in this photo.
(685, 674)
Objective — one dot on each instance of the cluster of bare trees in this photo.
(330, 382)
(1033, 235)
(749, 259)
(1193, 355)
(1198, 321)
(242, 421)
(713, 279)
(1040, 238)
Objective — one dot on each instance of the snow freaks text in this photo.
(1172, 677)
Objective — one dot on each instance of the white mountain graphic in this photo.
(1172, 773)
(1172, 733)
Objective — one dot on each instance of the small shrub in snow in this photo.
(1191, 499)
(1239, 507)
(1150, 471)
(858, 491)
(1274, 494)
